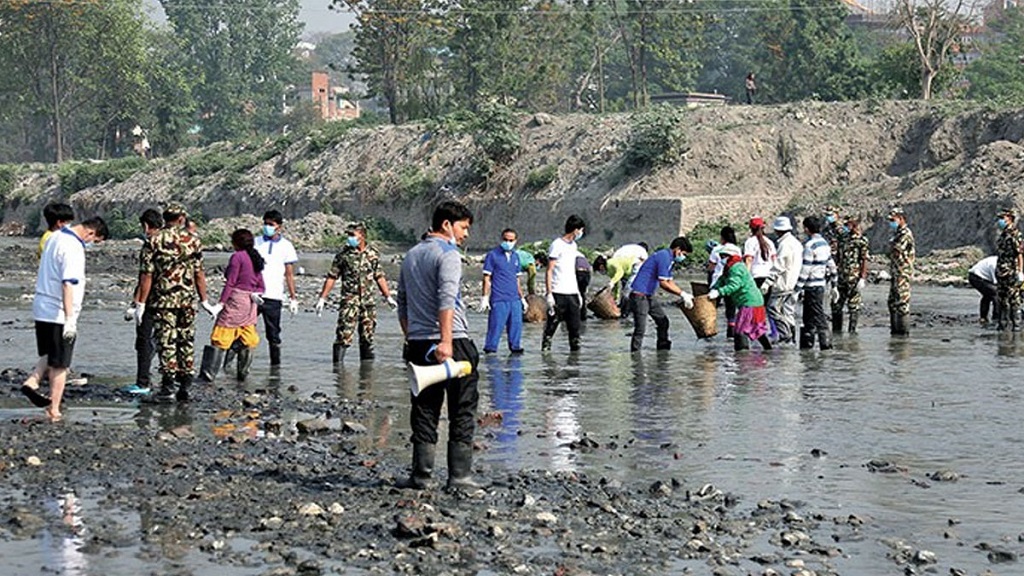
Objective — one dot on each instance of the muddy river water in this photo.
(786, 423)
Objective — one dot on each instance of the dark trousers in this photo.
(145, 348)
(814, 318)
(989, 292)
(271, 312)
(582, 282)
(463, 396)
(567, 307)
(643, 306)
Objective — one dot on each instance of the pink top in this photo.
(242, 282)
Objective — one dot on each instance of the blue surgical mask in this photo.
(353, 241)
(269, 230)
(679, 258)
(830, 218)
(1001, 223)
(846, 229)
(578, 236)
(894, 224)
(453, 241)
(508, 246)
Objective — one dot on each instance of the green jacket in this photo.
(737, 284)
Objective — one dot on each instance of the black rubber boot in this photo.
(184, 381)
(244, 363)
(740, 342)
(422, 468)
(892, 324)
(460, 467)
(664, 345)
(275, 355)
(213, 357)
(165, 395)
(574, 345)
(837, 321)
(545, 343)
(806, 339)
(824, 340)
(338, 353)
(853, 322)
(230, 354)
(366, 351)
(901, 325)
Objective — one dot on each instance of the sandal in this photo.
(35, 397)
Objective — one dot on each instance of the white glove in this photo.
(212, 309)
(257, 299)
(70, 329)
(551, 304)
(293, 306)
(485, 303)
(686, 299)
(129, 313)
(526, 305)
(392, 303)
(319, 308)
(138, 312)
(834, 294)
(861, 284)
(1020, 277)
(713, 295)
(766, 287)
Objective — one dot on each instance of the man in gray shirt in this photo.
(433, 318)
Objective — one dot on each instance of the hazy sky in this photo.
(314, 13)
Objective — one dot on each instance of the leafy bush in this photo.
(211, 237)
(206, 163)
(380, 230)
(75, 176)
(656, 138)
(121, 226)
(412, 183)
(8, 177)
(496, 132)
(542, 177)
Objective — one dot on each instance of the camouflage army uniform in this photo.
(358, 272)
(1008, 288)
(173, 257)
(901, 266)
(854, 251)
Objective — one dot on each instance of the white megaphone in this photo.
(420, 377)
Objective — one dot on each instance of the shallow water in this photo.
(947, 398)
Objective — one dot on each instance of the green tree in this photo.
(240, 55)
(935, 27)
(398, 50)
(73, 71)
(999, 74)
(170, 111)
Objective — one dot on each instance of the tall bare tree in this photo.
(935, 27)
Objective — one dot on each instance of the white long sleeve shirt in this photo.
(788, 263)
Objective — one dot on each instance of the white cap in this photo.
(781, 224)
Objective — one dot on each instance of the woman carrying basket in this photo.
(751, 318)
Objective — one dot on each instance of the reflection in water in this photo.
(62, 550)
(507, 396)
(355, 383)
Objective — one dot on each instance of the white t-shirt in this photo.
(634, 251)
(63, 261)
(563, 277)
(276, 254)
(760, 267)
(986, 269)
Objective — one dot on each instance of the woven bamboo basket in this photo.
(603, 305)
(703, 317)
(536, 310)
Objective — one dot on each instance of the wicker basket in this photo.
(703, 316)
(536, 310)
(603, 305)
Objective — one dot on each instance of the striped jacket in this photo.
(818, 267)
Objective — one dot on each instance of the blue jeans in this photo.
(505, 315)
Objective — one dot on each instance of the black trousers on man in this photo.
(567, 307)
(815, 321)
(271, 312)
(463, 395)
(989, 292)
(145, 348)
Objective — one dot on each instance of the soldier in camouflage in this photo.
(832, 232)
(358, 267)
(853, 273)
(171, 267)
(1009, 270)
(901, 266)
